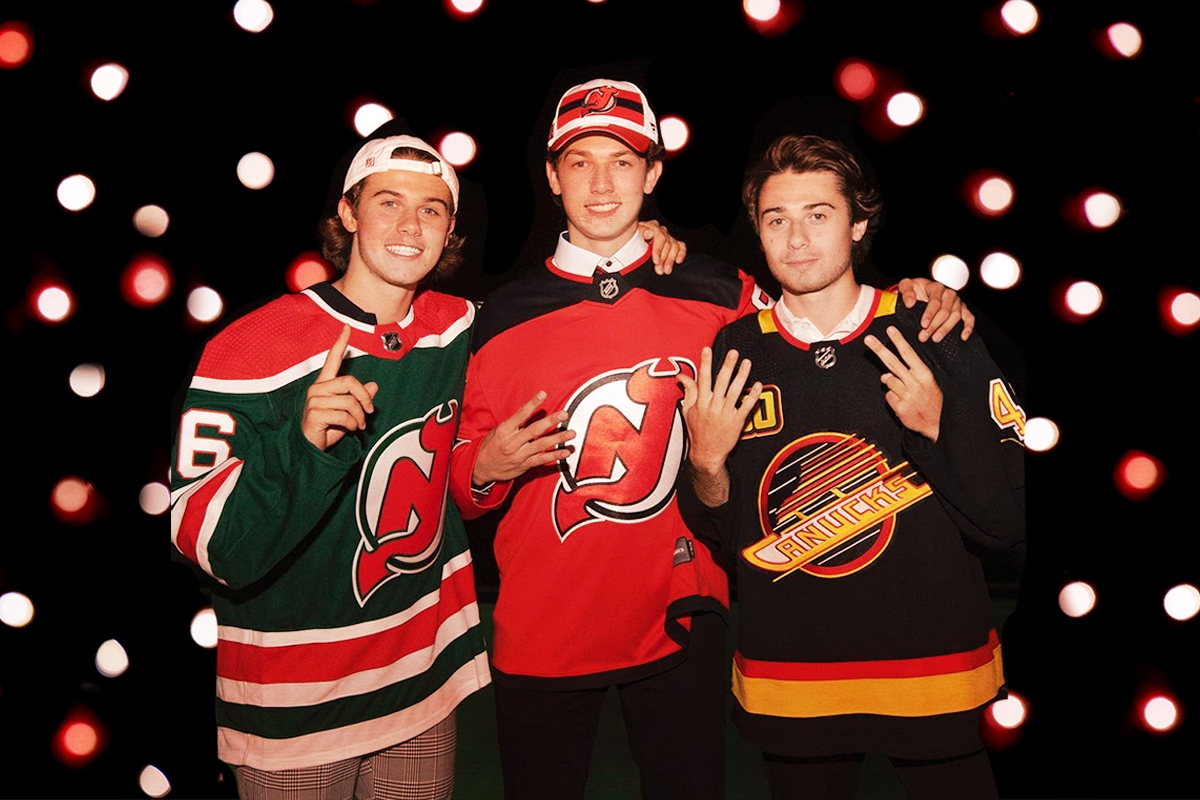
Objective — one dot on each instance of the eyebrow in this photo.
(429, 199)
(592, 153)
(805, 207)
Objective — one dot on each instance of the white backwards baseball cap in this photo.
(616, 108)
(376, 156)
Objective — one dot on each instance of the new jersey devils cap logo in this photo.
(631, 442)
(600, 100)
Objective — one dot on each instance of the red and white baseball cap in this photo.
(376, 156)
(616, 108)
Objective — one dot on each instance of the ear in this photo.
(450, 230)
(858, 229)
(346, 214)
(653, 173)
(552, 177)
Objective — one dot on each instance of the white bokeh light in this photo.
(1182, 602)
(467, 6)
(1084, 298)
(1041, 434)
(76, 192)
(255, 171)
(905, 108)
(153, 782)
(370, 116)
(1020, 16)
(111, 659)
(87, 380)
(1101, 209)
(950, 271)
(16, 610)
(151, 221)
(109, 81)
(1000, 270)
(1077, 599)
(1185, 308)
(204, 304)
(154, 499)
(995, 195)
(1160, 713)
(204, 628)
(1125, 39)
(761, 10)
(1009, 712)
(253, 15)
(54, 304)
(458, 148)
(675, 133)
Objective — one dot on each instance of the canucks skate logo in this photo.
(401, 503)
(630, 443)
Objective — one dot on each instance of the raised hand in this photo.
(665, 250)
(715, 420)
(336, 403)
(521, 443)
(943, 310)
(913, 392)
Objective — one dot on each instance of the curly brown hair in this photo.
(336, 241)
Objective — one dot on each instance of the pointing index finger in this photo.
(333, 360)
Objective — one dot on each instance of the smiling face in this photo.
(602, 182)
(400, 226)
(806, 232)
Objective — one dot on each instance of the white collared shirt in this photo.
(575, 260)
(803, 329)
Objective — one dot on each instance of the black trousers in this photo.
(836, 777)
(675, 721)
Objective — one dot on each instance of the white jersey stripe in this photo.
(228, 471)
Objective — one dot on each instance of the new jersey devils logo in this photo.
(401, 503)
(630, 443)
(600, 100)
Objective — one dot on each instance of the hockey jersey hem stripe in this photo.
(369, 736)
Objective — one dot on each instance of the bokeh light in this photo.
(154, 499)
(855, 80)
(675, 133)
(1000, 270)
(79, 738)
(86, 380)
(369, 116)
(307, 269)
(1009, 712)
(111, 659)
(1138, 475)
(1077, 599)
(204, 304)
(109, 80)
(1125, 39)
(1083, 299)
(253, 15)
(73, 500)
(905, 109)
(255, 171)
(1019, 16)
(16, 44)
(950, 271)
(458, 148)
(467, 6)
(1182, 602)
(761, 10)
(151, 221)
(153, 782)
(1101, 209)
(1160, 713)
(53, 303)
(76, 192)
(1179, 310)
(992, 195)
(146, 281)
(16, 610)
(1041, 434)
(204, 628)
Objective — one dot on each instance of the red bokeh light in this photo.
(146, 281)
(1138, 475)
(79, 738)
(307, 269)
(73, 500)
(855, 79)
(790, 12)
(16, 44)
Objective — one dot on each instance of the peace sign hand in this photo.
(336, 403)
(523, 441)
(913, 392)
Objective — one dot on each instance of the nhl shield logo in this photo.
(825, 357)
(609, 288)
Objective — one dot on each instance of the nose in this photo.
(797, 237)
(601, 180)
(408, 221)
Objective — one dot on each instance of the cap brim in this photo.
(639, 142)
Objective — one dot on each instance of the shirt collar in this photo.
(803, 329)
(574, 260)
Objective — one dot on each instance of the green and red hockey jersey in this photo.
(344, 596)
(599, 576)
(864, 620)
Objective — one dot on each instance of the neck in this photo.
(824, 307)
(601, 247)
(388, 303)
